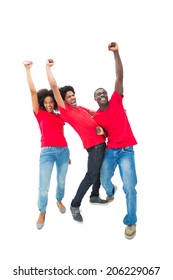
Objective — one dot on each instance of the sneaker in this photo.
(97, 199)
(76, 214)
(110, 198)
(130, 231)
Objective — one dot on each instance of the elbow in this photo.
(33, 92)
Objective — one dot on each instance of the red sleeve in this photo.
(85, 109)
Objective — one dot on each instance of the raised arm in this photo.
(33, 91)
(53, 84)
(118, 67)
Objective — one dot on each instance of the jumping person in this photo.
(82, 122)
(112, 117)
(54, 148)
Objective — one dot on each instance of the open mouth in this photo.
(102, 99)
(73, 103)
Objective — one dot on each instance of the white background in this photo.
(76, 34)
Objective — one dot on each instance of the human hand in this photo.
(99, 130)
(49, 62)
(113, 47)
(27, 63)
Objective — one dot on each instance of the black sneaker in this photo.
(97, 199)
(76, 214)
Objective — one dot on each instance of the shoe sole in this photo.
(130, 236)
(110, 199)
(99, 203)
(80, 222)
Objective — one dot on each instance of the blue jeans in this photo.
(92, 177)
(124, 158)
(49, 156)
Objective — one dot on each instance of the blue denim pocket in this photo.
(45, 150)
(128, 149)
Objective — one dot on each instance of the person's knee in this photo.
(91, 178)
(104, 179)
(43, 193)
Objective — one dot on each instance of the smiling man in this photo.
(111, 116)
(81, 120)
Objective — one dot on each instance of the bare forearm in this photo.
(35, 104)
(119, 73)
(51, 78)
(118, 65)
(54, 87)
(30, 81)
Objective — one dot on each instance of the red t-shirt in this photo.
(80, 119)
(115, 122)
(51, 127)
